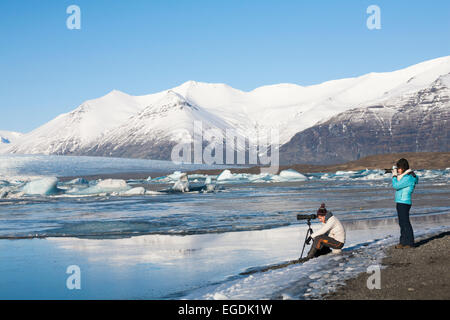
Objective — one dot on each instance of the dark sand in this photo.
(420, 273)
(417, 160)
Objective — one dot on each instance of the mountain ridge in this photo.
(290, 108)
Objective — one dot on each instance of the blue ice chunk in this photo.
(45, 186)
(78, 181)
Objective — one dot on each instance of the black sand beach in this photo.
(419, 273)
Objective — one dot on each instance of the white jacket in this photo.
(334, 228)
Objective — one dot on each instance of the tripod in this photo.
(308, 234)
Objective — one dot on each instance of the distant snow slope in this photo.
(118, 124)
(8, 137)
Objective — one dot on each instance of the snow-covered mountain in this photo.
(7, 138)
(148, 126)
(155, 130)
(417, 121)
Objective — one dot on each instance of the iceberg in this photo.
(44, 186)
(182, 185)
(81, 181)
(283, 176)
(176, 175)
(138, 191)
(112, 184)
(263, 177)
(104, 186)
(225, 175)
(291, 174)
(209, 186)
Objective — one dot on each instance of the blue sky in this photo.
(142, 47)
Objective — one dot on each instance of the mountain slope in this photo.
(68, 132)
(415, 122)
(154, 131)
(7, 138)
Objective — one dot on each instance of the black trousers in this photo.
(406, 230)
(322, 245)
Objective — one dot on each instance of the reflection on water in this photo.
(163, 266)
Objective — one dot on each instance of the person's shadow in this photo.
(438, 236)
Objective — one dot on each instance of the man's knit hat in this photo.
(322, 210)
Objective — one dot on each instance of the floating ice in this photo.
(112, 184)
(104, 186)
(225, 175)
(182, 185)
(210, 188)
(176, 175)
(173, 177)
(198, 176)
(81, 181)
(134, 192)
(342, 173)
(44, 186)
(288, 175)
(291, 174)
(429, 174)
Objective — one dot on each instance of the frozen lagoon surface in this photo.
(193, 245)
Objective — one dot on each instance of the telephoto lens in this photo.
(306, 216)
(390, 170)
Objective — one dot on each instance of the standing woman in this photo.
(404, 181)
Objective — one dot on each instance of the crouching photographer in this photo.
(330, 237)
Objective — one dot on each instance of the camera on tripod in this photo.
(306, 216)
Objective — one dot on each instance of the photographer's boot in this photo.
(311, 253)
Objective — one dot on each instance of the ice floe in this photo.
(44, 186)
(184, 182)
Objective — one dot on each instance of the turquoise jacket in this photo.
(404, 188)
